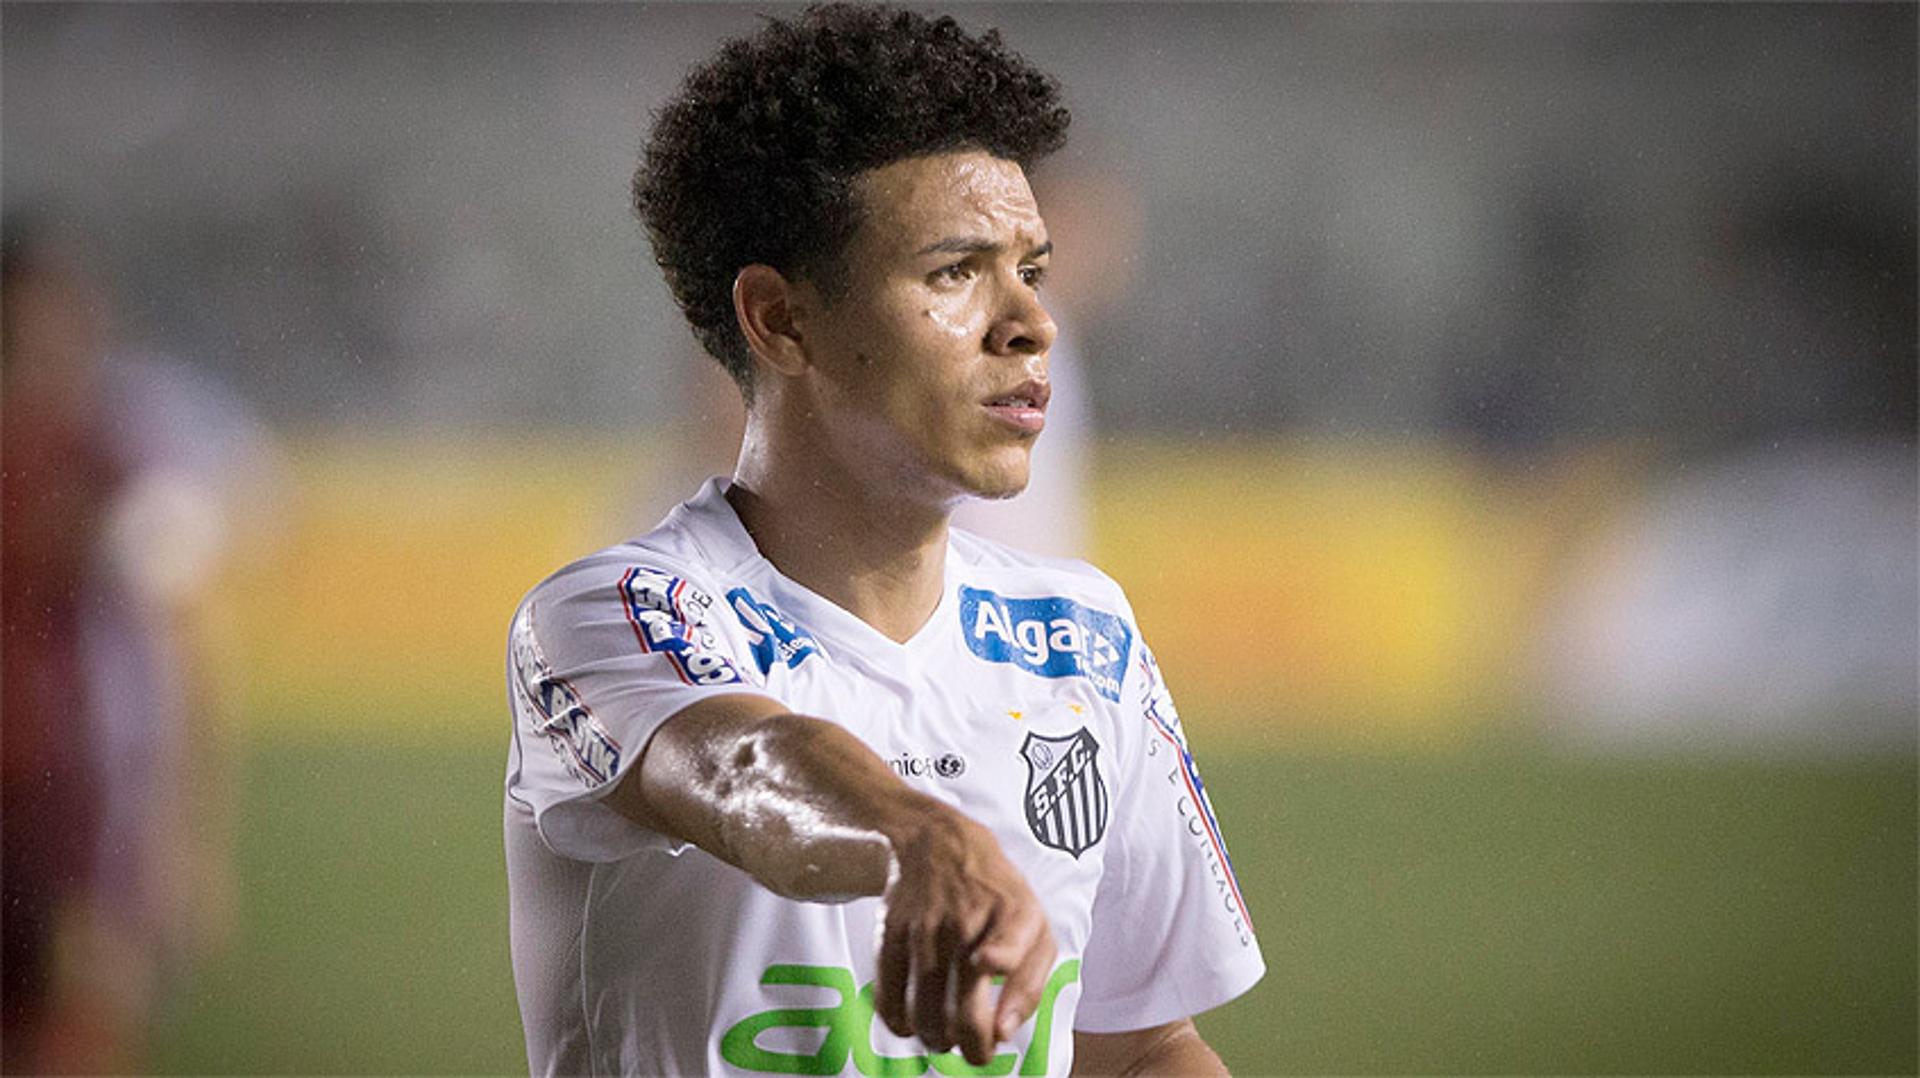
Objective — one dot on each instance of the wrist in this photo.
(912, 820)
(926, 832)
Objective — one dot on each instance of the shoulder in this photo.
(671, 564)
(629, 610)
(658, 596)
(620, 568)
(989, 560)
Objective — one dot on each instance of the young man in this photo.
(802, 756)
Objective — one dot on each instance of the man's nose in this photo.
(1024, 326)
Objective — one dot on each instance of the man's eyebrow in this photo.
(967, 245)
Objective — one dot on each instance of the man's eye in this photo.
(1033, 275)
(953, 274)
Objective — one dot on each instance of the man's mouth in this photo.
(1024, 407)
(1014, 400)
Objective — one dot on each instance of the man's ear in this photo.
(768, 308)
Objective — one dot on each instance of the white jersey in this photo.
(1028, 701)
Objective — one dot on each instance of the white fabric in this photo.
(635, 955)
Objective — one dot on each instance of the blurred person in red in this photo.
(117, 471)
(56, 477)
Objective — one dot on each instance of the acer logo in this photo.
(848, 1028)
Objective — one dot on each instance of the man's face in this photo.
(932, 366)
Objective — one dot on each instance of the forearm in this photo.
(810, 811)
(798, 803)
(1175, 1048)
(1184, 1054)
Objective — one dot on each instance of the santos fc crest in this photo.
(1066, 797)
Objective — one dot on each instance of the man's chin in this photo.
(999, 492)
(998, 483)
(994, 477)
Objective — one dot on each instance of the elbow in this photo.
(744, 774)
(784, 827)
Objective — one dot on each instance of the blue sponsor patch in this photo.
(774, 636)
(1051, 636)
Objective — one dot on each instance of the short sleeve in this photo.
(598, 656)
(1171, 936)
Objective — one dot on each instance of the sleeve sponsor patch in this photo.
(1155, 701)
(1052, 637)
(669, 617)
(774, 637)
(1189, 794)
(553, 709)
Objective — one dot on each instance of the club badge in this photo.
(1066, 797)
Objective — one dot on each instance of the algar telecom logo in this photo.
(849, 1032)
(1051, 636)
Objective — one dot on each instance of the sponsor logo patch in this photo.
(1189, 793)
(1155, 701)
(552, 708)
(669, 617)
(947, 765)
(775, 638)
(824, 1020)
(1066, 798)
(1052, 637)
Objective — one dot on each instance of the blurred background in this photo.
(1502, 416)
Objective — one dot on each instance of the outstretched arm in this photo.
(812, 813)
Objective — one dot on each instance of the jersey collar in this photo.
(729, 548)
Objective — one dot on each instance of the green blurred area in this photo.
(1493, 907)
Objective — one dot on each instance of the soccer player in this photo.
(803, 757)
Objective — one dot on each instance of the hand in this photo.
(956, 915)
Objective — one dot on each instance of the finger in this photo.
(1021, 994)
(1008, 940)
(933, 961)
(972, 1020)
(895, 965)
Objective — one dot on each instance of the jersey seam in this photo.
(748, 550)
(513, 725)
(586, 1017)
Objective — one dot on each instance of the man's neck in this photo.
(880, 558)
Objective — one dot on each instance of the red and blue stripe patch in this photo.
(655, 603)
(1197, 791)
(1158, 706)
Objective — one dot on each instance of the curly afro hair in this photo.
(754, 160)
